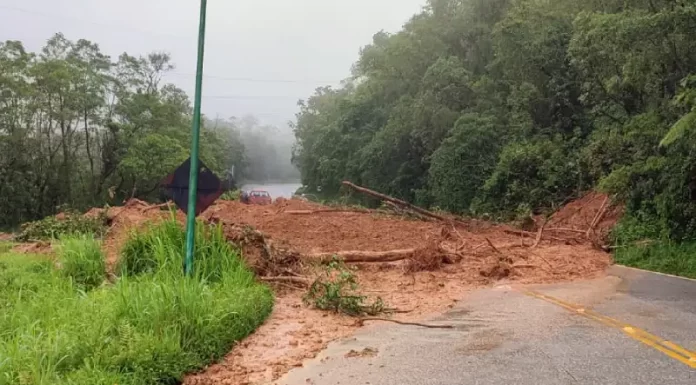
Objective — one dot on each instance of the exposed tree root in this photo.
(493, 246)
(361, 322)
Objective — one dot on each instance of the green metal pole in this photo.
(195, 133)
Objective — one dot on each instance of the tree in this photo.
(77, 129)
(497, 106)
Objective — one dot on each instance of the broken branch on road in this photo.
(361, 322)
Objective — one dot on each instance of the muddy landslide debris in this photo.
(446, 261)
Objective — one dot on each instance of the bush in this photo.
(232, 195)
(534, 174)
(336, 290)
(82, 260)
(149, 328)
(51, 228)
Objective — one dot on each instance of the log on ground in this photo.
(363, 256)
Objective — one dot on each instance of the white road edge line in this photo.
(655, 272)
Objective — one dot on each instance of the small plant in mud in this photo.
(67, 223)
(232, 195)
(336, 289)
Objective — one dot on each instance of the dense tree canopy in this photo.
(502, 106)
(78, 129)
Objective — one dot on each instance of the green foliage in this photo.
(336, 290)
(529, 174)
(664, 257)
(81, 129)
(510, 106)
(82, 260)
(636, 228)
(152, 157)
(71, 223)
(146, 329)
(161, 248)
(686, 98)
(461, 165)
(231, 195)
(5, 246)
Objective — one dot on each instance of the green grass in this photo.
(665, 257)
(5, 246)
(59, 326)
(82, 260)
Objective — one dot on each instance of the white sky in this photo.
(288, 47)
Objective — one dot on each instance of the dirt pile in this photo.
(122, 220)
(594, 213)
(325, 231)
(439, 262)
(417, 267)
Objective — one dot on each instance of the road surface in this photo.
(277, 190)
(630, 327)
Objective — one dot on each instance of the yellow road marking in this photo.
(669, 348)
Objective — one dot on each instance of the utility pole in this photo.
(195, 134)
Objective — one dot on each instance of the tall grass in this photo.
(150, 327)
(161, 250)
(82, 260)
(664, 257)
(5, 246)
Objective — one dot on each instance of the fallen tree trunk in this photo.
(296, 280)
(540, 233)
(395, 201)
(598, 217)
(562, 230)
(523, 233)
(310, 212)
(364, 256)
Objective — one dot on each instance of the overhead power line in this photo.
(175, 73)
(260, 80)
(254, 97)
(58, 16)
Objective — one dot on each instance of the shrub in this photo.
(232, 195)
(336, 290)
(51, 228)
(535, 174)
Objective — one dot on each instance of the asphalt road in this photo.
(630, 327)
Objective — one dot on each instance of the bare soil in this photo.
(478, 254)
(488, 254)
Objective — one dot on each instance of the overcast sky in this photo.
(272, 52)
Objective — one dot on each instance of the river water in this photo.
(277, 190)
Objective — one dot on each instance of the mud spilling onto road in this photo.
(418, 267)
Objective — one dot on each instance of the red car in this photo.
(257, 197)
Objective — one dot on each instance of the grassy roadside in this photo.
(67, 326)
(665, 257)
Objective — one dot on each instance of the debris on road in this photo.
(410, 264)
